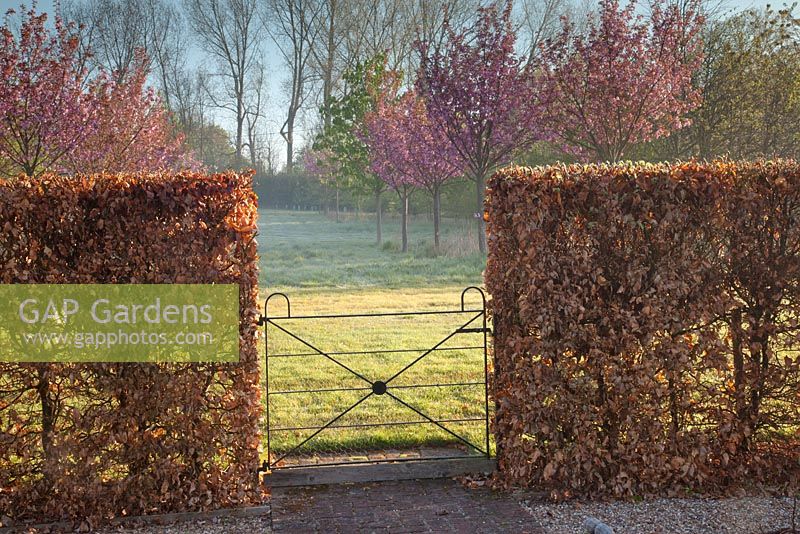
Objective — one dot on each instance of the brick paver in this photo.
(441, 505)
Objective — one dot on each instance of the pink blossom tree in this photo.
(52, 118)
(44, 111)
(481, 95)
(624, 80)
(386, 141)
(407, 151)
(133, 129)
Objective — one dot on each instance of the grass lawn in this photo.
(329, 268)
(309, 251)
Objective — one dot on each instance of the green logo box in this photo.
(95, 323)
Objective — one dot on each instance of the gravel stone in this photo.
(745, 515)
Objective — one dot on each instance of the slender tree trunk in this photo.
(378, 217)
(404, 223)
(289, 137)
(480, 192)
(48, 409)
(239, 129)
(436, 217)
(337, 204)
(738, 365)
(327, 78)
(673, 412)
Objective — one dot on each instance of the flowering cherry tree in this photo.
(625, 80)
(52, 118)
(480, 94)
(386, 141)
(408, 151)
(132, 130)
(44, 111)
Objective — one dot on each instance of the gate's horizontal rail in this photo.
(359, 352)
(389, 423)
(389, 461)
(412, 386)
(383, 314)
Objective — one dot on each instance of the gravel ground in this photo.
(745, 515)
(222, 525)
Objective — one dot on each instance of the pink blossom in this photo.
(52, 118)
(482, 97)
(44, 111)
(626, 80)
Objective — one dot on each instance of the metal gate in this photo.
(352, 403)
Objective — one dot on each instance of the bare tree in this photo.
(270, 152)
(114, 32)
(382, 29)
(540, 20)
(227, 30)
(293, 26)
(168, 50)
(333, 25)
(117, 30)
(428, 18)
(392, 28)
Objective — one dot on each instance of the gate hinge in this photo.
(473, 330)
(261, 320)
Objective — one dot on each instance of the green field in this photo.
(336, 268)
(310, 251)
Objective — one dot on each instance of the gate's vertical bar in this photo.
(486, 376)
(266, 379)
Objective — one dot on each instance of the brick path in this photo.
(441, 505)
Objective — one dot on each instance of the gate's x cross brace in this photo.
(380, 387)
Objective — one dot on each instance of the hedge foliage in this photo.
(646, 324)
(124, 439)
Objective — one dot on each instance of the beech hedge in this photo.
(647, 321)
(101, 440)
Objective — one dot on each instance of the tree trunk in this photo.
(327, 77)
(337, 204)
(378, 217)
(404, 223)
(289, 137)
(436, 217)
(48, 409)
(480, 191)
(239, 130)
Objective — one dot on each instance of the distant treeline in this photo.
(300, 191)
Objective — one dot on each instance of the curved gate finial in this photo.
(473, 288)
